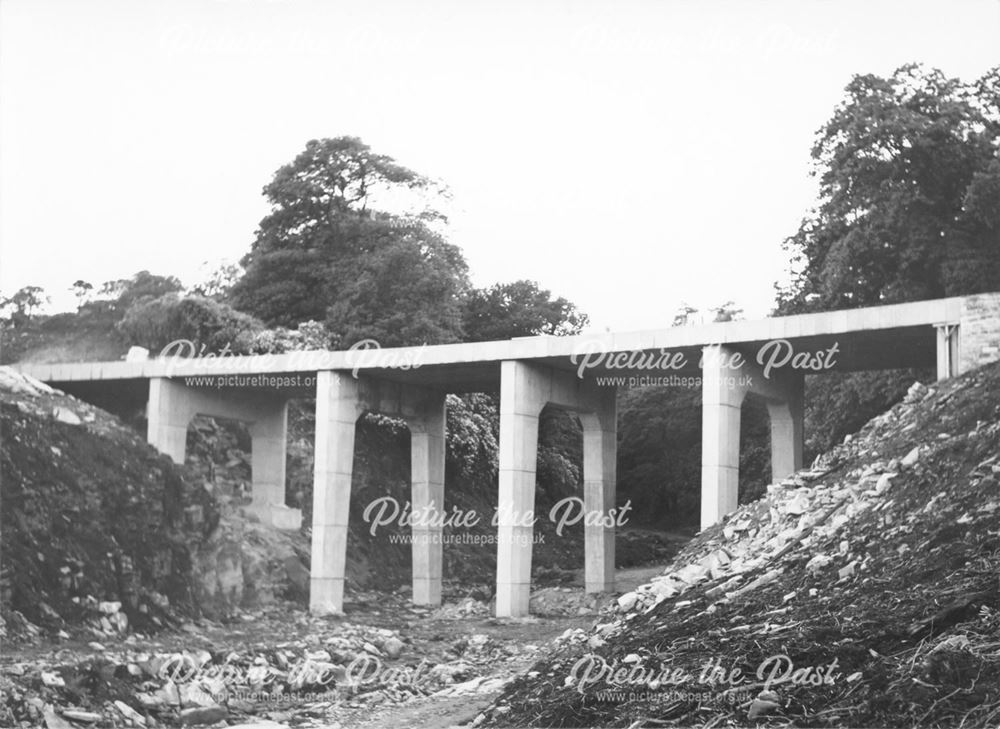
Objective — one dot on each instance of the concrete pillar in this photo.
(338, 407)
(168, 411)
(600, 446)
(722, 397)
(522, 397)
(947, 351)
(268, 434)
(787, 428)
(427, 458)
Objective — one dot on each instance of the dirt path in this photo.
(447, 712)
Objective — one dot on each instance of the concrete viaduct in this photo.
(768, 357)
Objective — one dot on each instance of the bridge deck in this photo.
(881, 337)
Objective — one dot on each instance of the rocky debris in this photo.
(15, 383)
(868, 580)
(203, 715)
(479, 685)
(92, 516)
(562, 601)
(805, 509)
(276, 664)
(767, 702)
(66, 415)
(467, 607)
(393, 647)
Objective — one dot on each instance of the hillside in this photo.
(861, 592)
(88, 336)
(92, 516)
(101, 531)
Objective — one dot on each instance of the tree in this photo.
(219, 283)
(82, 290)
(407, 291)
(727, 312)
(325, 242)
(123, 293)
(155, 323)
(518, 309)
(24, 303)
(909, 189)
(523, 309)
(684, 316)
(332, 251)
(909, 200)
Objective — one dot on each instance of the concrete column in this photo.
(168, 412)
(722, 397)
(947, 351)
(522, 397)
(787, 429)
(599, 455)
(338, 407)
(427, 457)
(268, 434)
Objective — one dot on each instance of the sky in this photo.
(628, 155)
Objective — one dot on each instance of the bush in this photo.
(308, 335)
(209, 325)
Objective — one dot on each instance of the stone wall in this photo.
(979, 332)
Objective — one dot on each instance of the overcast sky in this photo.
(627, 155)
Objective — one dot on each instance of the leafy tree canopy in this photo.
(23, 303)
(909, 193)
(325, 252)
(407, 291)
(518, 309)
(123, 293)
(219, 282)
(336, 249)
(155, 323)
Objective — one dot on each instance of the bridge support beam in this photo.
(427, 456)
(170, 409)
(727, 378)
(341, 399)
(524, 390)
(723, 391)
(947, 351)
(600, 450)
(522, 398)
(269, 435)
(787, 427)
(338, 407)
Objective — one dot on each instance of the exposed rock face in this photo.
(91, 514)
(244, 563)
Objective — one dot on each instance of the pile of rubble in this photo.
(878, 562)
(552, 601)
(467, 607)
(92, 515)
(278, 664)
(806, 511)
